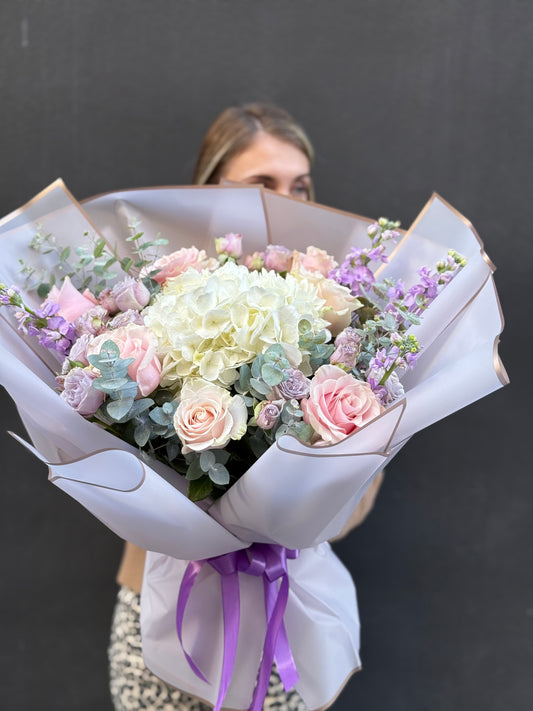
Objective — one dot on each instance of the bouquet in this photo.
(270, 392)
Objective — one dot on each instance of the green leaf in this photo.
(207, 461)
(260, 386)
(140, 406)
(42, 290)
(194, 470)
(219, 475)
(200, 489)
(110, 386)
(126, 264)
(272, 375)
(117, 409)
(221, 456)
(99, 248)
(142, 433)
(65, 254)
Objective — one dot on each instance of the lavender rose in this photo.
(78, 392)
(268, 415)
(295, 387)
(130, 294)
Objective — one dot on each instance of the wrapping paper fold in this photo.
(294, 495)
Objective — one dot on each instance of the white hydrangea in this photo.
(210, 323)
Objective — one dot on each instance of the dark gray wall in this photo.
(400, 99)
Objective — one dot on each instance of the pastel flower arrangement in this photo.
(203, 363)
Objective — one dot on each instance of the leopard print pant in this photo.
(134, 687)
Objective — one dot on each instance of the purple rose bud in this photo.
(107, 300)
(268, 416)
(78, 352)
(131, 294)
(78, 392)
(295, 387)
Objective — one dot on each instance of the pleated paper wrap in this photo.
(294, 495)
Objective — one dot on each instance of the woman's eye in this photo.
(300, 191)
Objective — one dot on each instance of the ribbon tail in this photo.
(189, 578)
(273, 626)
(231, 606)
(285, 663)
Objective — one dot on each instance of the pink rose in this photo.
(172, 265)
(139, 343)
(78, 393)
(278, 258)
(230, 245)
(338, 404)
(208, 416)
(130, 293)
(317, 260)
(72, 304)
(255, 262)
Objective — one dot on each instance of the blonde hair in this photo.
(234, 130)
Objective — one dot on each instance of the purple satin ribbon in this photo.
(264, 560)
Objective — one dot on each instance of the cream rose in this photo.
(340, 303)
(138, 343)
(208, 416)
(338, 404)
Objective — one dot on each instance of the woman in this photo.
(252, 144)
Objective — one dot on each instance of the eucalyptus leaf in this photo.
(117, 409)
(219, 475)
(109, 386)
(142, 433)
(194, 470)
(271, 375)
(140, 406)
(207, 460)
(260, 386)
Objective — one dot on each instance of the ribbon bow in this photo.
(265, 560)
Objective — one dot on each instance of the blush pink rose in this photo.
(278, 258)
(174, 264)
(139, 343)
(208, 416)
(338, 404)
(230, 245)
(316, 260)
(72, 303)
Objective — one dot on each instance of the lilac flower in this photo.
(10, 296)
(93, 321)
(57, 335)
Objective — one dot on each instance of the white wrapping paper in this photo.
(294, 495)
